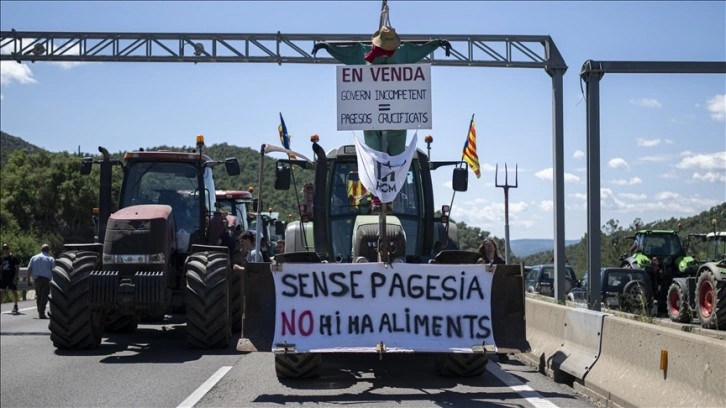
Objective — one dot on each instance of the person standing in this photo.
(490, 252)
(40, 268)
(10, 274)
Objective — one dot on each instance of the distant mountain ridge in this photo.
(10, 143)
(526, 247)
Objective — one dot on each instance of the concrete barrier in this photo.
(627, 369)
(629, 373)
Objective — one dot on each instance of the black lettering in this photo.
(485, 330)
(470, 324)
(421, 321)
(395, 324)
(436, 325)
(338, 278)
(385, 321)
(397, 283)
(320, 284)
(366, 324)
(354, 284)
(431, 287)
(302, 281)
(449, 292)
(353, 325)
(453, 326)
(377, 280)
(325, 325)
(475, 287)
(414, 291)
(289, 281)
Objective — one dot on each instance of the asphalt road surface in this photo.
(153, 367)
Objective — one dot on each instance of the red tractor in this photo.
(157, 253)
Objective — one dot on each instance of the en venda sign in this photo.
(384, 97)
(408, 307)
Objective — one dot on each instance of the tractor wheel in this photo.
(297, 366)
(636, 298)
(678, 309)
(206, 300)
(73, 325)
(119, 323)
(711, 301)
(235, 300)
(461, 364)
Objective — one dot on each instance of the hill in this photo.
(526, 247)
(10, 143)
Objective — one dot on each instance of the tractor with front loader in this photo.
(366, 276)
(156, 253)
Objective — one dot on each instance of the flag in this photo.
(469, 153)
(381, 174)
(284, 137)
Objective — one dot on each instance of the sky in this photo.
(663, 136)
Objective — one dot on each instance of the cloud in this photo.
(618, 163)
(647, 142)
(546, 174)
(646, 102)
(654, 159)
(667, 195)
(11, 71)
(634, 196)
(717, 107)
(710, 177)
(546, 205)
(579, 154)
(633, 181)
(708, 161)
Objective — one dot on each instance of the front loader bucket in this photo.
(258, 308)
(508, 319)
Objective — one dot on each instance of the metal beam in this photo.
(592, 72)
(522, 51)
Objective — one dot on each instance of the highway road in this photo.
(153, 367)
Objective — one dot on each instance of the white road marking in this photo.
(204, 388)
(21, 310)
(525, 391)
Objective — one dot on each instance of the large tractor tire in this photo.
(73, 325)
(119, 323)
(461, 364)
(206, 300)
(711, 301)
(235, 300)
(297, 366)
(636, 298)
(678, 309)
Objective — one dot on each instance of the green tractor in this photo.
(704, 293)
(661, 254)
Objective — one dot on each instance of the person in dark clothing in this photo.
(11, 269)
(490, 252)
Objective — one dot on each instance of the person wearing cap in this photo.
(247, 242)
(10, 273)
(40, 268)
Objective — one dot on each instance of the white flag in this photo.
(382, 174)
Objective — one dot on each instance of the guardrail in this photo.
(622, 361)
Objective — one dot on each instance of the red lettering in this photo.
(288, 323)
(352, 75)
(305, 323)
(306, 317)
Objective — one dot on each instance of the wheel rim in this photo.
(706, 299)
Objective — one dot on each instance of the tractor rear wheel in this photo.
(235, 300)
(711, 300)
(637, 298)
(206, 300)
(73, 325)
(678, 309)
(461, 364)
(297, 365)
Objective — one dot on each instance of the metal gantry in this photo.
(522, 51)
(502, 51)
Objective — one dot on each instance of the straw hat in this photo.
(386, 38)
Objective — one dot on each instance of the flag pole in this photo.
(458, 166)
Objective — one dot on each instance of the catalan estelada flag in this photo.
(284, 137)
(469, 153)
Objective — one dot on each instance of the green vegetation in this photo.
(44, 198)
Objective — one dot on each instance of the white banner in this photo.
(384, 97)
(408, 307)
(381, 174)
